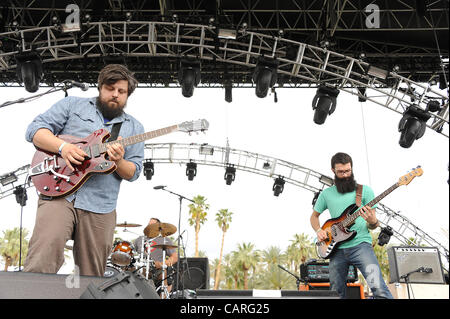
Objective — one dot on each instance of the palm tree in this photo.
(10, 247)
(300, 250)
(272, 277)
(223, 219)
(198, 213)
(246, 257)
(232, 272)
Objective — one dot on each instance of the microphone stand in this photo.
(66, 85)
(295, 276)
(180, 197)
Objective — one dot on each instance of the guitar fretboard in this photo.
(139, 138)
(351, 218)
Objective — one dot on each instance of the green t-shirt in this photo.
(336, 203)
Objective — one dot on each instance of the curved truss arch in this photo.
(304, 64)
(297, 175)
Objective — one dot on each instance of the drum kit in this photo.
(126, 257)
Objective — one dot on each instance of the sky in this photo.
(283, 130)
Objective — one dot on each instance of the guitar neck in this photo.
(140, 137)
(351, 218)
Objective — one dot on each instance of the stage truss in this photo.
(302, 64)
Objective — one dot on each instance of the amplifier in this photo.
(319, 272)
(354, 290)
(423, 264)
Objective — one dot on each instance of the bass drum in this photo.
(111, 271)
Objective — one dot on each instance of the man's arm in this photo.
(315, 223)
(46, 140)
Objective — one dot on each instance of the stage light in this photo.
(433, 106)
(21, 195)
(29, 70)
(278, 186)
(385, 235)
(324, 103)
(228, 92)
(377, 72)
(316, 196)
(206, 149)
(412, 125)
(230, 174)
(326, 180)
(8, 179)
(149, 169)
(265, 75)
(189, 76)
(191, 170)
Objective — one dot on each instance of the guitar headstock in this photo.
(407, 178)
(194, 126)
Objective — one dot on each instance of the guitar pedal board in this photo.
(319, 272)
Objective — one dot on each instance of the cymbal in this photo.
(165, 246)
(125, 224)
(163, 229)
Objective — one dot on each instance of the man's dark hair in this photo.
(112, 73)
(341, 158)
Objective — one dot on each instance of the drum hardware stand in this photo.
(295, 276)
(180, 197)
(164, 292)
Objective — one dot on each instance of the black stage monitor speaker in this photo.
(423, 264)
(27, 285)
(124, 285)
(194, 274)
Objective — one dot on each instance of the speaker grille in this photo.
(404, 260)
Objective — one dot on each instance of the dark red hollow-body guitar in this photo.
(52, 177)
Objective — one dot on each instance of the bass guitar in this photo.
(338, 229)
(52, 177)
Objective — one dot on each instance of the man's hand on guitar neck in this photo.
(369, 216)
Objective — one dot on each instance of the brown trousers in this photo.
(57, 221)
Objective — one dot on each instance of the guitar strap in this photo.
(358, 194)
(114, 132)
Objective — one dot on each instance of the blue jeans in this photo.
(363, 257)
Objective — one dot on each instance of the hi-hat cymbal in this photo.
(125, 224)
(162, 246)
(163, 229)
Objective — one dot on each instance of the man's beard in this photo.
(107, 111)
(346, 184)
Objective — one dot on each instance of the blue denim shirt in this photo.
(80, 117)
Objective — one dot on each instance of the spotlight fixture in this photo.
(21, 195)
(191, 170)
(29, 70)
(228, 92)
(189, 76)
(8, 179)
(265, 75)
(278, 186)
(316, 196)
(206, 149)
(326, 180)
(230, 174)
(412, 125)
(433, 106)
(385, 235)
(377, 72)
(149, 169)
(324, 103)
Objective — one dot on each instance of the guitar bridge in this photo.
(45, 167)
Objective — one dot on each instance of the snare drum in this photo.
(122, 254)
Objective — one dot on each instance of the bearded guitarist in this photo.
(88, 216)
(357, 251)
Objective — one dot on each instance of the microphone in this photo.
(160, 187)
(82, 86)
